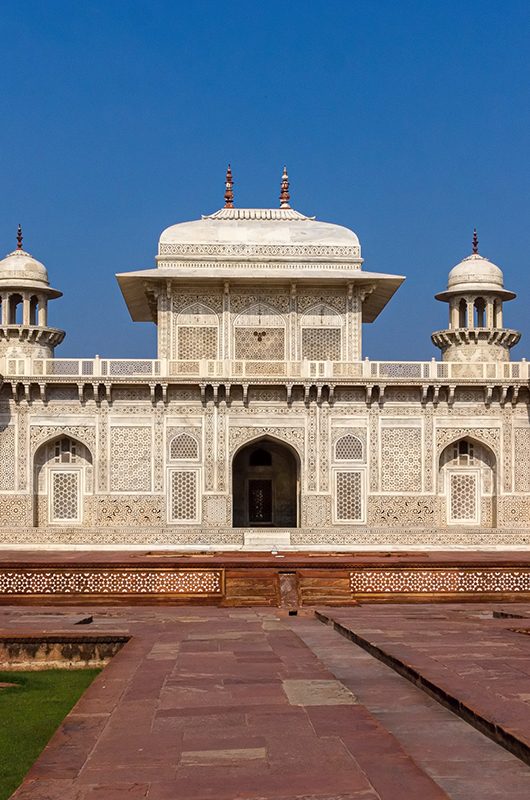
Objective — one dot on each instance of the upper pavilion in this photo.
(271, 247)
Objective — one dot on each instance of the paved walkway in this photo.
(249, 704)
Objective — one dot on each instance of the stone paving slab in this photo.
(472, 660)
(255, 705)
(252, 713)
(466, 764)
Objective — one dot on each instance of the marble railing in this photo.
(365, 371)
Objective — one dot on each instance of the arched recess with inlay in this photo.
(266, 485)
(196, 334)
(62, 482)
(467, 483)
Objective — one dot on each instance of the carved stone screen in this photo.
(65, 496)
(7, 458)
(267, 344)
(401, 459)
(349, 496)
(183, 446)
(522, 461)
(183, 496)
(196, 342)
(131, 458)
(349, 448)
(463, 499)
(321, 344)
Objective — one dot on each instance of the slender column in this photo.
(5, 308)
(25, 309)
(453, 314)
(489, 313)
(470, 319)
(43, 312)
(498, 315)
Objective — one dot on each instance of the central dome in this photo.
(259, 228)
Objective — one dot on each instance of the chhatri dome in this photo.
(19, 269)
(475, 274)
(475, 294)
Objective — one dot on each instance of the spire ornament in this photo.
(284, 193)
(475, 242)
(19, 237)
(229, 188)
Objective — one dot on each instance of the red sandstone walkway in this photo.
(247, 704)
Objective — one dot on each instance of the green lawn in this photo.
(30, 713)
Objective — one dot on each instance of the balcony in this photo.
(164, 370)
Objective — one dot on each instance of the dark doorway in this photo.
(265, 485)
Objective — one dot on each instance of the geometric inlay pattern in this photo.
(260, 344)
(29, 581)
(432, 581)
(130, 464)
(348, 448)
(7, 458)
(522, 460)
(197, 342)
(401, 459)
(184, 446)
(321, 344)
(65, 496)
(349, 496)
(183, 504)
(463, 496)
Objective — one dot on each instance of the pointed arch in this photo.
(266, 490)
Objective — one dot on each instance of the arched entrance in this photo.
(265, 485)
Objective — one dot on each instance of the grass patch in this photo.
(30, 712)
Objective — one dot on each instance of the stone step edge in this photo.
(494, 731)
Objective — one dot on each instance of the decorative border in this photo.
(419, 581)
(111, 582)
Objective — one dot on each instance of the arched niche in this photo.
(321, 334)
(197, 333)
(62, 477)
(467, 482)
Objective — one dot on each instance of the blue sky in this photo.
(406, 121)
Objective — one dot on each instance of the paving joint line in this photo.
(493, 731)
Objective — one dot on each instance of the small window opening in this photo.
(479, 312)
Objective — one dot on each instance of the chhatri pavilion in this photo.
(259, 423)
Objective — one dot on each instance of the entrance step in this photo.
(267, 538)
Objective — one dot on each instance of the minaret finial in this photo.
(284, 194)
(19, 237)
(475, 242)
(229, 189)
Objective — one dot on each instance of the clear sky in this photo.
(406, 121)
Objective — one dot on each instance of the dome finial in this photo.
(19, 237)
(284, 193)
(475, 242)
(229, 186)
